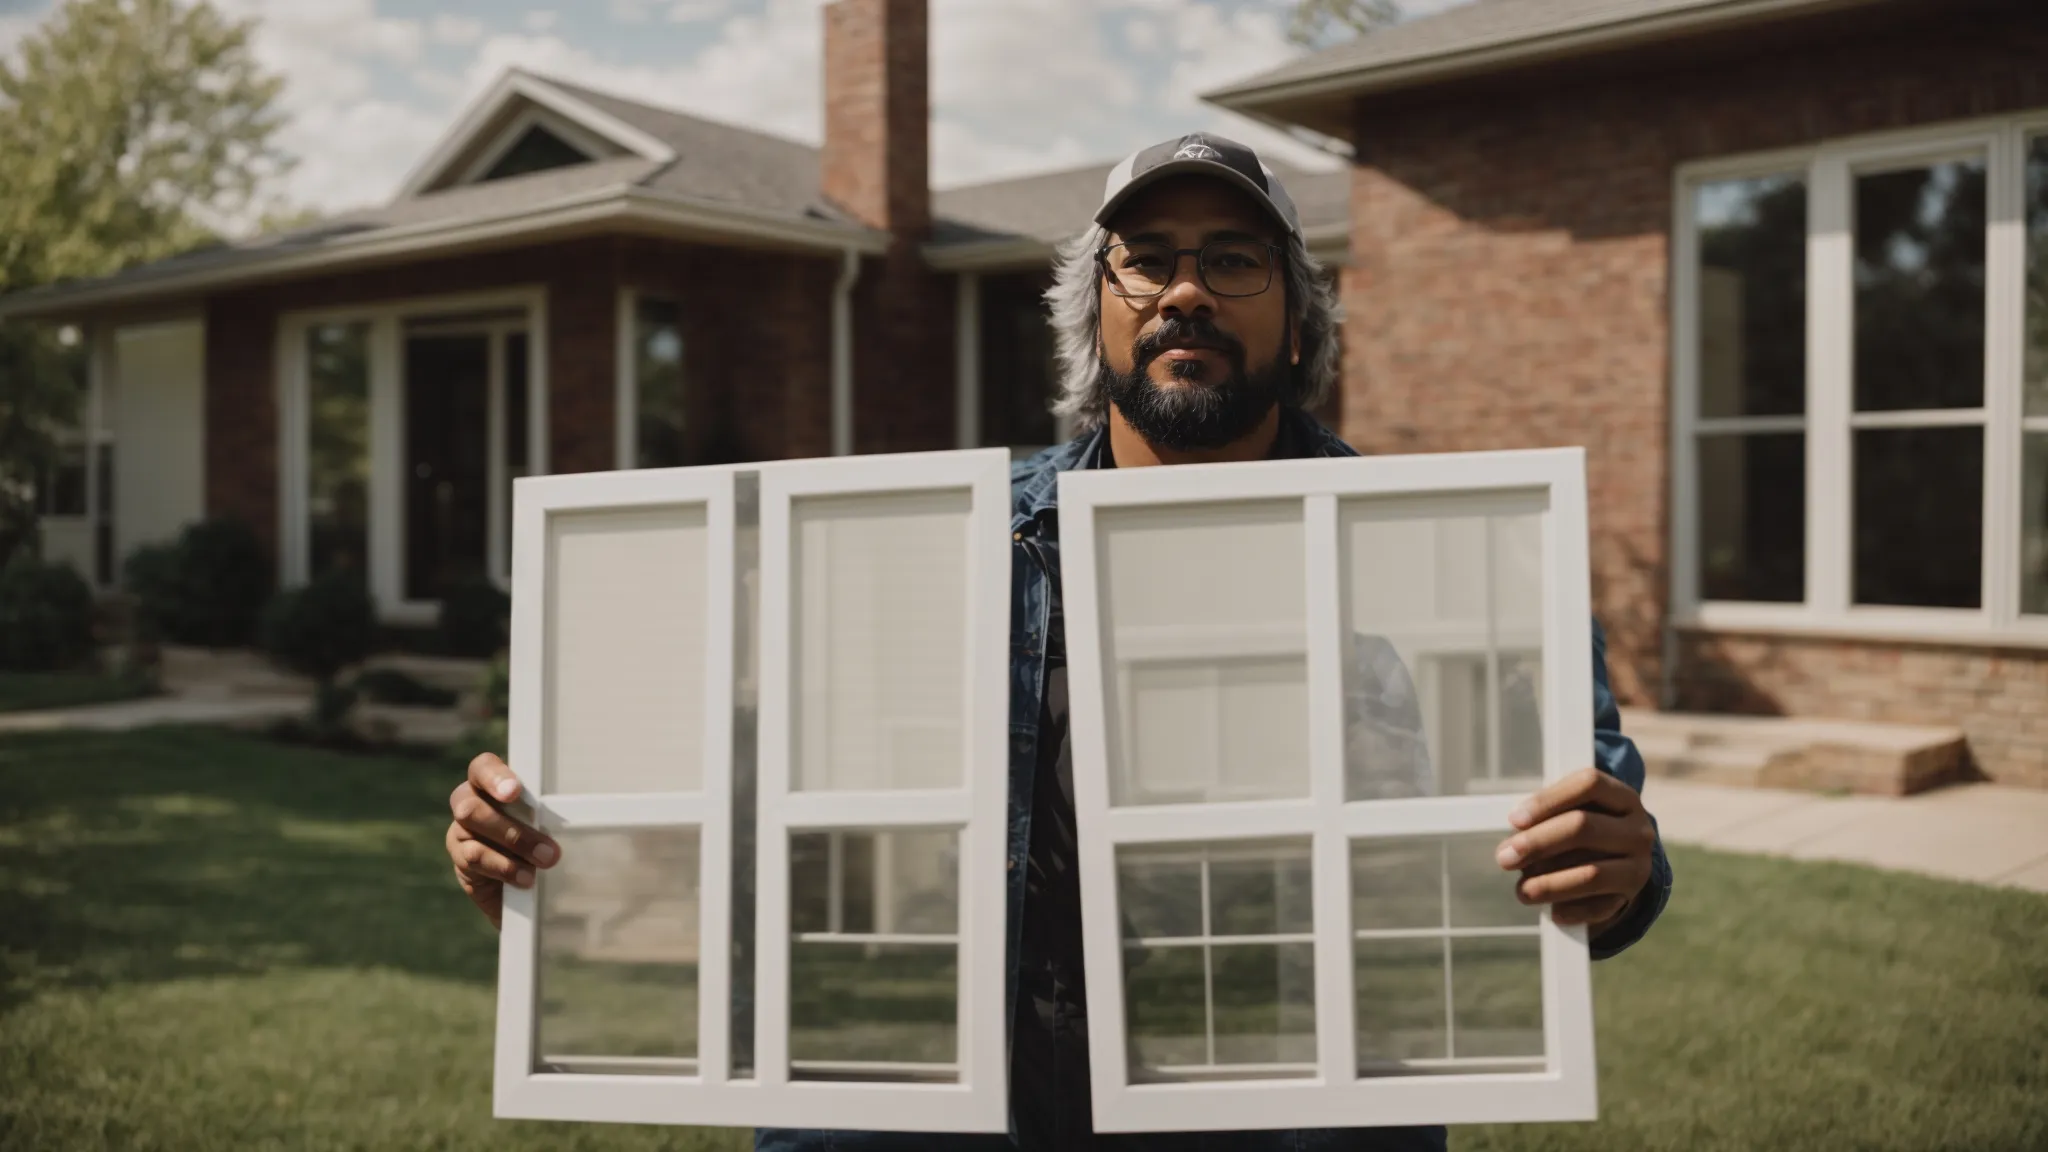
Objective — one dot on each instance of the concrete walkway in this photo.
(196, 708)
(1981, 833)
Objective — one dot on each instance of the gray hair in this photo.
(1075, 301)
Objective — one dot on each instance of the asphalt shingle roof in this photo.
(1052, 206)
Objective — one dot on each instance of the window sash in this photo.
(1330, 1093)
(1830, 422)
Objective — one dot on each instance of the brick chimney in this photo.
(876, 169)
(878, 113)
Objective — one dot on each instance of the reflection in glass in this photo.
(1206, 641)
(1219, 960)
(338, 448)
(874, 955)
(625, 616)
(1752, 509)
(2036, 340)
(617, 971)
(658, 373)
(2034, 526)
(1919, 279)
(879, 620)
(1752, 296)
(1448, 960)
(1443, 677)
(1919, 516)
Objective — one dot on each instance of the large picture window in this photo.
(1290, 775)
(1862, 402)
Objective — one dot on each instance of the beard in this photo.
(1198, 412)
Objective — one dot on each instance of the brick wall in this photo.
(875, 167)
(1509, 289)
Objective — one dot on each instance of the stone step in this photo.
(452, 673)
(1819, 755)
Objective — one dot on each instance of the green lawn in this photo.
(207, 941)
(27, 691)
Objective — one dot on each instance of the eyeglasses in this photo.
(1226, 267)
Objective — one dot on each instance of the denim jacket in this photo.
(1034, 557)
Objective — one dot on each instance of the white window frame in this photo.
(977, 808)
(979, 1100)
(386, 365)
(1829, 422)
(708, 1096)
(1548, 482)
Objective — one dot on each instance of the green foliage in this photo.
(45, 616)
(41, 384)
(207, 589)
(1315, 23)
(321, 628)
(489, 732)
(475, 617)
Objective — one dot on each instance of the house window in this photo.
(1862, 375)
(338, 447)
(658, 422)
(1018, 372)
(535, 151)
(63, 486)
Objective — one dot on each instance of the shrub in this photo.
(46, 612)
(321, 628)
(475, 618)
(489, 732)
(206, 589)
(390, 686)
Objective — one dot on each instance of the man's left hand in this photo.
(1583, 848)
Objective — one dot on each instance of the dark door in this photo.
(447, 429)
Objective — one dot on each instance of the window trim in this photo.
(577, 137)
(1337, 1097)
(1828, 170)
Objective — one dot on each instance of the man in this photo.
(1193, 327)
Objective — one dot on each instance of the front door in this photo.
(447, 459)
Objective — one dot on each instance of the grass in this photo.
(32, 691)
(210, 941)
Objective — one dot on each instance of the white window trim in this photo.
(1334, 1097)
(1828, 170)
(978, 1101)
(707, 1096)
(386, 557)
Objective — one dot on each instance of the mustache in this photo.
(1180, 330)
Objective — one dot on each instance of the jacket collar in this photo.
(1035, 482)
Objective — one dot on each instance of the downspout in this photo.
(842, 353)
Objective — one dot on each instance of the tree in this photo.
(1316, 22)
(132, 129)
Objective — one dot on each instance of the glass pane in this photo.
(1444, 619)
(880, 628)
(1482, 893)
(1752, 296)
(625, 618)
(658, 370)
(1211, 673)
(617, 971)
(1919, 523)
(1496, 997)
(2037, 277)
(1397, 884)
(2034, 526)
(1752, 509)
(1401, 1001)
(1919, 300)
(1201, 1000)
(338, 448)
(874, 960)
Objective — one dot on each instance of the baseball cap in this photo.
(1199, 154)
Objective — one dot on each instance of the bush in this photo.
(321, 628)
(390, 686)
(489, 732)
(476, 617)
(46, 614)
(207, 589)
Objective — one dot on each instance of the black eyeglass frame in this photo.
(1279, 255)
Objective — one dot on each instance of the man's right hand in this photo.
(489, 848)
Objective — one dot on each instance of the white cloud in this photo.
(629, 11)
(455, 31)
(540, 20)
(691, 11)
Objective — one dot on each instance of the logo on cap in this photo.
(1196, 150)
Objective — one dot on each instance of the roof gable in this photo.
(554, 127)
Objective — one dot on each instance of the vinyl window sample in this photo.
(729, 725)
(1306, 696)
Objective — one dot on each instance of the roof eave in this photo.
(1329, 243)
(613, 207)
(1279, 101)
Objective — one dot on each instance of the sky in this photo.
(1017, 87)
